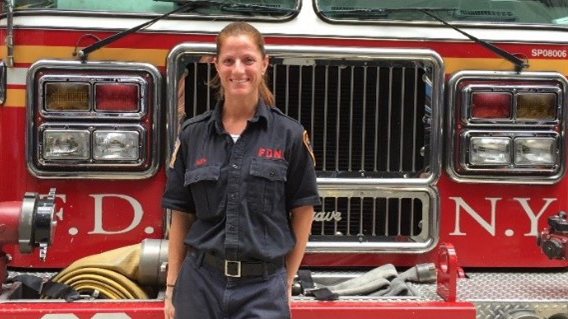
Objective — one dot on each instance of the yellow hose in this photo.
(109, 273)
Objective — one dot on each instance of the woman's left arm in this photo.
(301, 224)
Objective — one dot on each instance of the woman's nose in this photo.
(239, 66)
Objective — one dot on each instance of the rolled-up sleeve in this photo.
(177, 196)
(301, 185)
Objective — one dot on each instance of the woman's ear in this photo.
(265, 64)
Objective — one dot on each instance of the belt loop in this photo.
(265, 271)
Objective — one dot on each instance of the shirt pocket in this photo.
(203, 184)
(266, 189)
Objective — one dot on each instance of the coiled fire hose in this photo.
(114, 274)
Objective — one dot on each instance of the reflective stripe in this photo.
(116, 315)
(16, 76)
(111, 315)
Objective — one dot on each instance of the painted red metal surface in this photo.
(447, 269)
(300, 310)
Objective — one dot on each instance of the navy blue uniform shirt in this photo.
(241, 193)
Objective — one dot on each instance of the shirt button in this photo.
(231, 228)
(232, 196)
(271, 174)
(235, 166)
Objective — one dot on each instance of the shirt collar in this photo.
(262, 116)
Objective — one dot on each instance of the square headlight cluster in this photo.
(513, 151)
(93, 120)
(98, 145)
(505, 125)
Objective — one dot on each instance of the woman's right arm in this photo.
(181, 222)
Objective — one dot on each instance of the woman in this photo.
(242, 188)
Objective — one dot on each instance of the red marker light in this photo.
(491, 105)
(117, 97)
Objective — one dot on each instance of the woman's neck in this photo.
(239, 108)
(237, 112)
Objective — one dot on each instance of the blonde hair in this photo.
(236, 29)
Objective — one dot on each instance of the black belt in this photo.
(237, 269)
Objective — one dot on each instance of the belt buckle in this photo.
(228, 273)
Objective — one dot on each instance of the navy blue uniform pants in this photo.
(204, 293)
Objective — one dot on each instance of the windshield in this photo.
(551, 12)
(214, 8)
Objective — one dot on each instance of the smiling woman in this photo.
(242, 189)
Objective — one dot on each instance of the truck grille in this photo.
(363, 121)
(367, 217)
(373, 120)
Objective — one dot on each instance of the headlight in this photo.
(535, 151)
(116, 145)
(490, 151)
(65, 144)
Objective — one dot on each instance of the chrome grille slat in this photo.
(338, 118)
(350, 158)
(209, 93)
(401, 140)
(286, 92)
(414, 119)
(195, 92)
(326, 107)
(389, 126)
(376, 141)
(364, 122)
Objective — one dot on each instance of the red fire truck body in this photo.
(422, 136)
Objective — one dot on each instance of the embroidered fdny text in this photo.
(200, 162)
(269, 153)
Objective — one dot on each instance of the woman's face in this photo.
(240, 66)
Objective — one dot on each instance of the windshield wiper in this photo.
(375, 12)
(254, 8)
(84, 54)
(357, 12)
(384, 12)
(519, 64)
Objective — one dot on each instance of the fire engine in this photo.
(438, 128)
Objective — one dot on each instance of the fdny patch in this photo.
(174, 154)
(308, 146)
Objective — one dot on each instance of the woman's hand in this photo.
(169, 310)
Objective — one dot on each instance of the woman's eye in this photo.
(228, 61)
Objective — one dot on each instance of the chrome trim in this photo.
(500, 128)
(183, 52)
(115, 67)
(92, 82)
(91, 128)
(26, 222)
(424, 242)
(514, 90)
(9, 33)
(3, 82)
